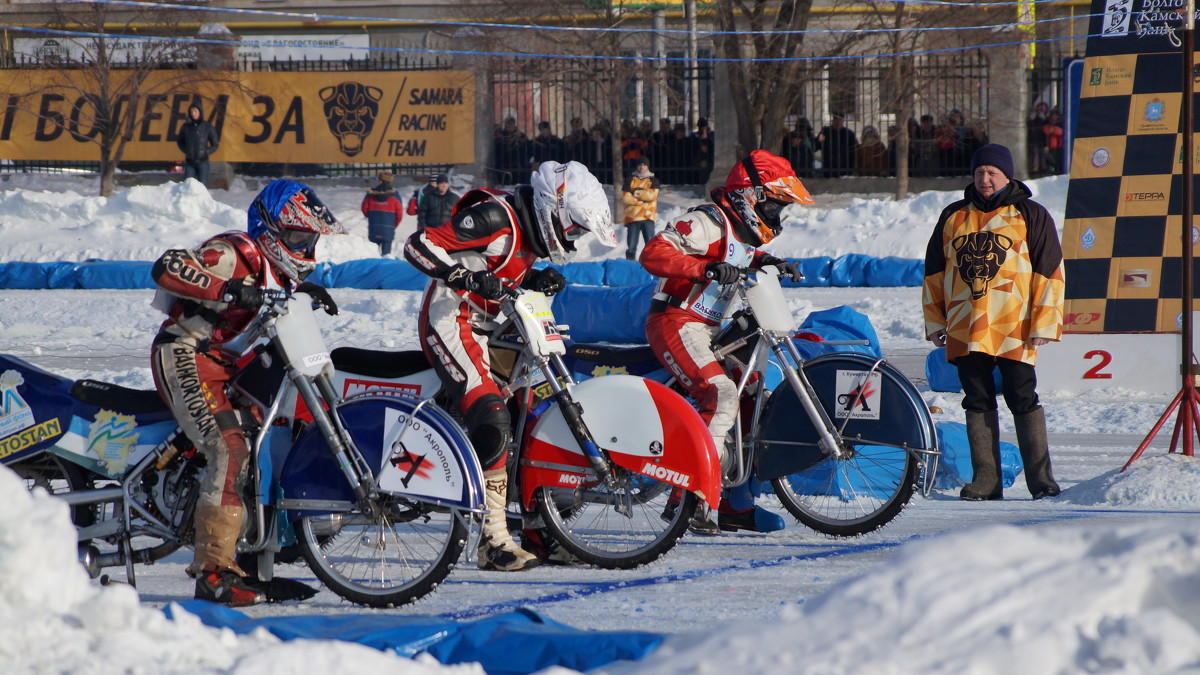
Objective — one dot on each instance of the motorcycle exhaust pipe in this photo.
(89, 557)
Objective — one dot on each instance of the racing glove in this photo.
(320, 296)
(721, 272)
(547, 280)
(483, 282)
(242, 292)
(789, 268)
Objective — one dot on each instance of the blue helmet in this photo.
(286, 219)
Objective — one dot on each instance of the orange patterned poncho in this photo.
(994, 276)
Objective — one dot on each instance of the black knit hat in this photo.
(993, 154)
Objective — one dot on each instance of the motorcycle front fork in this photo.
(749, 388)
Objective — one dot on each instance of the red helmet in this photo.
(755, 192)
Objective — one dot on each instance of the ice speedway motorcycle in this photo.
(614, 467)
(843, 438)
(376, 490)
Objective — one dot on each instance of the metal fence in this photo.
(557, 109)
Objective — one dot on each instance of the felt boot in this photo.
(983, 433)
(1035, 454)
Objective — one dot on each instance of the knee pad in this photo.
(489, 426)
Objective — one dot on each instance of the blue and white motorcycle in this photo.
(376, 490)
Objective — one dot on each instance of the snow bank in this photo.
(56, 621)
(996, 600)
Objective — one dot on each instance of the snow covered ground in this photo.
(1102, 579)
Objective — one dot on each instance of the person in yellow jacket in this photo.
(640, 196)
(993, 294)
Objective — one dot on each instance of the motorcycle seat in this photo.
(611, 355)
(376, 363)
(116, 397)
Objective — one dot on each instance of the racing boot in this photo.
(702, 522)
(1035, 454)
(497, 550)
(226, 587)
(542, 544)
(738, 512)
(983, 434)
(217, 532)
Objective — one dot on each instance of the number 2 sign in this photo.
(1147, 362)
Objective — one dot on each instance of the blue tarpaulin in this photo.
(392, 274)
(943, 376)
(954, 467)
(514, 643)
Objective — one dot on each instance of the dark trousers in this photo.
(1018, 382)
(642, 228)
(196, 168)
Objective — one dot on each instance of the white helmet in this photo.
(569, 202)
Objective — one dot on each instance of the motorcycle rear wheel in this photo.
(874, 479)
(56, 476)
(586, 521)
(387, 561)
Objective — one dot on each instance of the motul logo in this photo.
(570, 479)
(663, 473)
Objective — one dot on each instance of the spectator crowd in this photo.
(937, 148)
(681, 156)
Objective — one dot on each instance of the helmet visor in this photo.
(573, 231)
(299, 240)
(770, 210)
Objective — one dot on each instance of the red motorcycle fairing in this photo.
(643, 425)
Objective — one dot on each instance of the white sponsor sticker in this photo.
(417, 460)
(858, 394)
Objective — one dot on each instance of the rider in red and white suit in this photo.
(697, 258)
(493, 235)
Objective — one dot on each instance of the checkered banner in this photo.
(1121, 237)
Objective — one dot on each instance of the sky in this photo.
(1102, 579)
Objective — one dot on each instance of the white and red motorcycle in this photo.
(615, 467)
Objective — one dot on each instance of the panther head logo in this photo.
(979, 256)
(350, 110)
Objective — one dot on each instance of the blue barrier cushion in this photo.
(381, 273)
(599, 314)
(514, 643)
(892, 271)
(817, 271)
(849, 270)
(26, 275)
(583, 273)
(388, 273)
(114, 274)
(954, 466)
(621, 272)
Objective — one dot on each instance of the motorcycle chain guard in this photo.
(415, 451)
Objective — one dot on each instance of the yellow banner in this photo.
(413, 117)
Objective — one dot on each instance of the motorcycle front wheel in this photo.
(384, 561)
(617, 528)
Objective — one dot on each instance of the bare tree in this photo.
(763, 41)
(899, 34)
(120, 69)
(582, 71)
